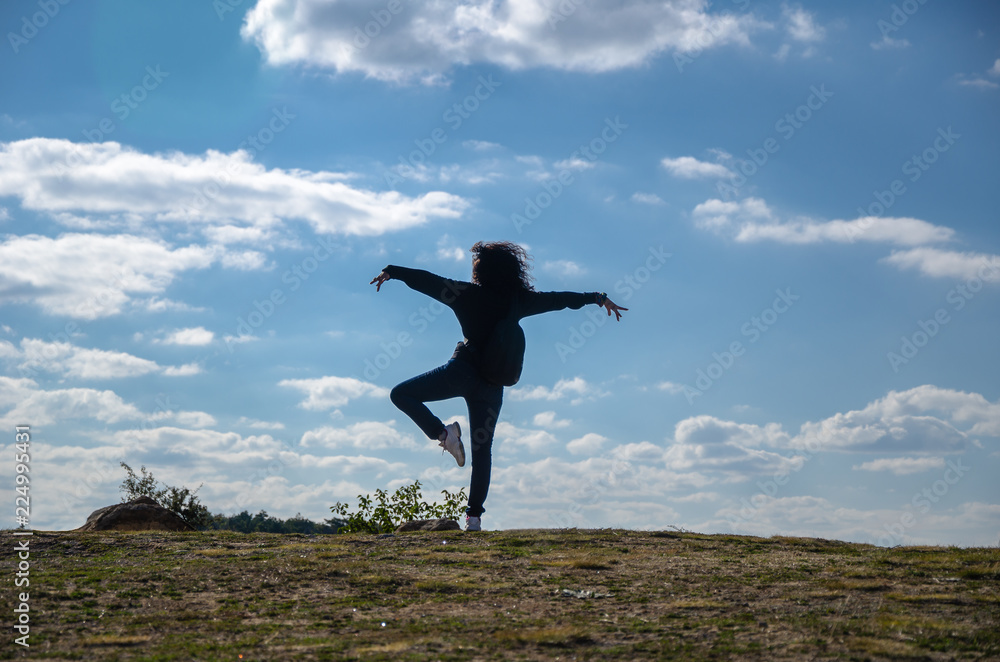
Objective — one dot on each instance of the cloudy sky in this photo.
(797, 201)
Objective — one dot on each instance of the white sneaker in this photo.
(473, 524)
(453, 443)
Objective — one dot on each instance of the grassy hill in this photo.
(525, 595)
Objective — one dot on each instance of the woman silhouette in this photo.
(500, 293)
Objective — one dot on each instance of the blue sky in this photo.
(795, 200)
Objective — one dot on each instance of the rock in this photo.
(429, 525)
(142, 514)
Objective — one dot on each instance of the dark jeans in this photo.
(457, 378)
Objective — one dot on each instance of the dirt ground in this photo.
(508, 595)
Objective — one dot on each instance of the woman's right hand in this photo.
(612, 307)
(378, 280)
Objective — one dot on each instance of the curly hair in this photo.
(501, 264)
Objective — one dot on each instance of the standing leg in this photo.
(484, 409)
(438, 384)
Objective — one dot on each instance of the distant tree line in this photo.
(185, 504)
(244, 522)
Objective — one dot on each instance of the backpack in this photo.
(502, 357)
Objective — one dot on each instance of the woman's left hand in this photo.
(378, 280)
(612, 307)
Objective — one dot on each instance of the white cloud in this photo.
(971, 523)
(8, 350)
(688, 167)
(260, 425)
(73, 275)
(329, 392)
(647, 198)
(194, 419)
(534, 441)
(888, 42)
(721, 216)
(978, 82)
(186, 370)
(23, 401)
(706, 443)
(939, 263)
(371, 435)
(588, 444)
(485, 171)
(577, 386)
(672, 388)
(696, 497)
(751, 219)
(574, 164)
(995, 69)
(565, 268)
(923, 420)
(243, 260)
(902, 466)
(905, 231)
(447, 250)
(623, 486)
(196, 336)
(549, 419)
(902, 422)
(353, 464)
(801, 26)
(424, 40)
(710, 430)
(480, 145)
(123, 187)
(83, 363)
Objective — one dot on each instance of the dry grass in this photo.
(513, 595)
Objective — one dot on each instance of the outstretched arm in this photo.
(546, 302)
(444, 290)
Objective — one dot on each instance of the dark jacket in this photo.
(479, 309)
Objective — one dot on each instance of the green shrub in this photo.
(384, 513)
(179, 500)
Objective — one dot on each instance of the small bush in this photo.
(386, 512)
(179, 500)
